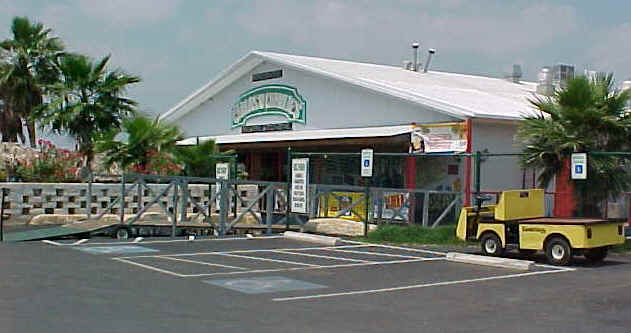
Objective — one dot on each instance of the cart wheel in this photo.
(491, 245)
(558, 251)
(122, 233)
(596, 254)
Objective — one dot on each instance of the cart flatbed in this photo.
(564, 221)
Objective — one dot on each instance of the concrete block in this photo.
(490, 261)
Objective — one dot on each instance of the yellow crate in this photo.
(520, 204)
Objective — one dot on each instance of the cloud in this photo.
(452, 25)
(129, 12)
(611, 51)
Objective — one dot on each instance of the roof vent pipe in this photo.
(517, 73)
(429, 59)
(415, 48)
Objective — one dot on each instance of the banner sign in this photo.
(299, 180)
(272, 99)
(579, 166)
(440, 138)
(339, 201)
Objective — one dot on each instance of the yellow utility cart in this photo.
(518, 221)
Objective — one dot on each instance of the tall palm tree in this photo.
(144, 137)
(28, 65)
(90, 99)
(589, 115)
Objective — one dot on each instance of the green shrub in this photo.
(414, 234)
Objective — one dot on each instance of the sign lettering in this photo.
(273, 99)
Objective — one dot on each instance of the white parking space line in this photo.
(311, 268)
(52, 242)
(245, 251)
(268, 259)
(165, 241)
(320, 256)
(149, 267)
(416, 286)
(398, 248)
(375, 254)
(201, 263)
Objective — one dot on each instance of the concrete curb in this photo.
(524, 265)
(300, 236)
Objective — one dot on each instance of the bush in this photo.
(158, 163)
(414, 234)
(51, 165)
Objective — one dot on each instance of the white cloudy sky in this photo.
(176, 46)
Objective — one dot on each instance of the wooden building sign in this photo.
(272, 99)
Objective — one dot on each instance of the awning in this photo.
(338, 133)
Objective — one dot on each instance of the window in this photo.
(267, 75)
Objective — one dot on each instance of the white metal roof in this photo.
(459, 95)
(339, 133)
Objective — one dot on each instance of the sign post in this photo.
(222, 171)
(367, 162)
(579, 166)
(367, 167)
(299, 190)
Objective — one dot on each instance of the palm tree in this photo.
(587, 116)
(199, 160)
(146, 140)
(27, 66)
(89, 100)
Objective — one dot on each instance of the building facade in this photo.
(267, 102)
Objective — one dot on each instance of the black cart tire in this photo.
(491, 245)
(558, 251)
(122, 233)
(597, 254)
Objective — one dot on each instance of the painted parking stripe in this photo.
(416, 286)
(268, 259)
(148, 267)
(273, 270)
(168, 241)
(376, 254)
(245, 251)
(399, 248)
(320, 256)
(313, 268)
(201, 263)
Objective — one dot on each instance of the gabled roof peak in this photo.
(459, 95)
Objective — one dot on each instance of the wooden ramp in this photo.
(67, 230)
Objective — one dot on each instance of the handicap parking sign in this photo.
(579, 166)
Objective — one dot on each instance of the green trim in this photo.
(275, 110)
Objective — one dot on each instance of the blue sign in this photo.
(579, 169)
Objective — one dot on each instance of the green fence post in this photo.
(367, 210)
(2, 215)
(122, 199)
(477, 164)
(288, 214)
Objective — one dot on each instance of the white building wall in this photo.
(330, 104)
(497, 173)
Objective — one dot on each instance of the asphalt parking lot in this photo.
(279, 285)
